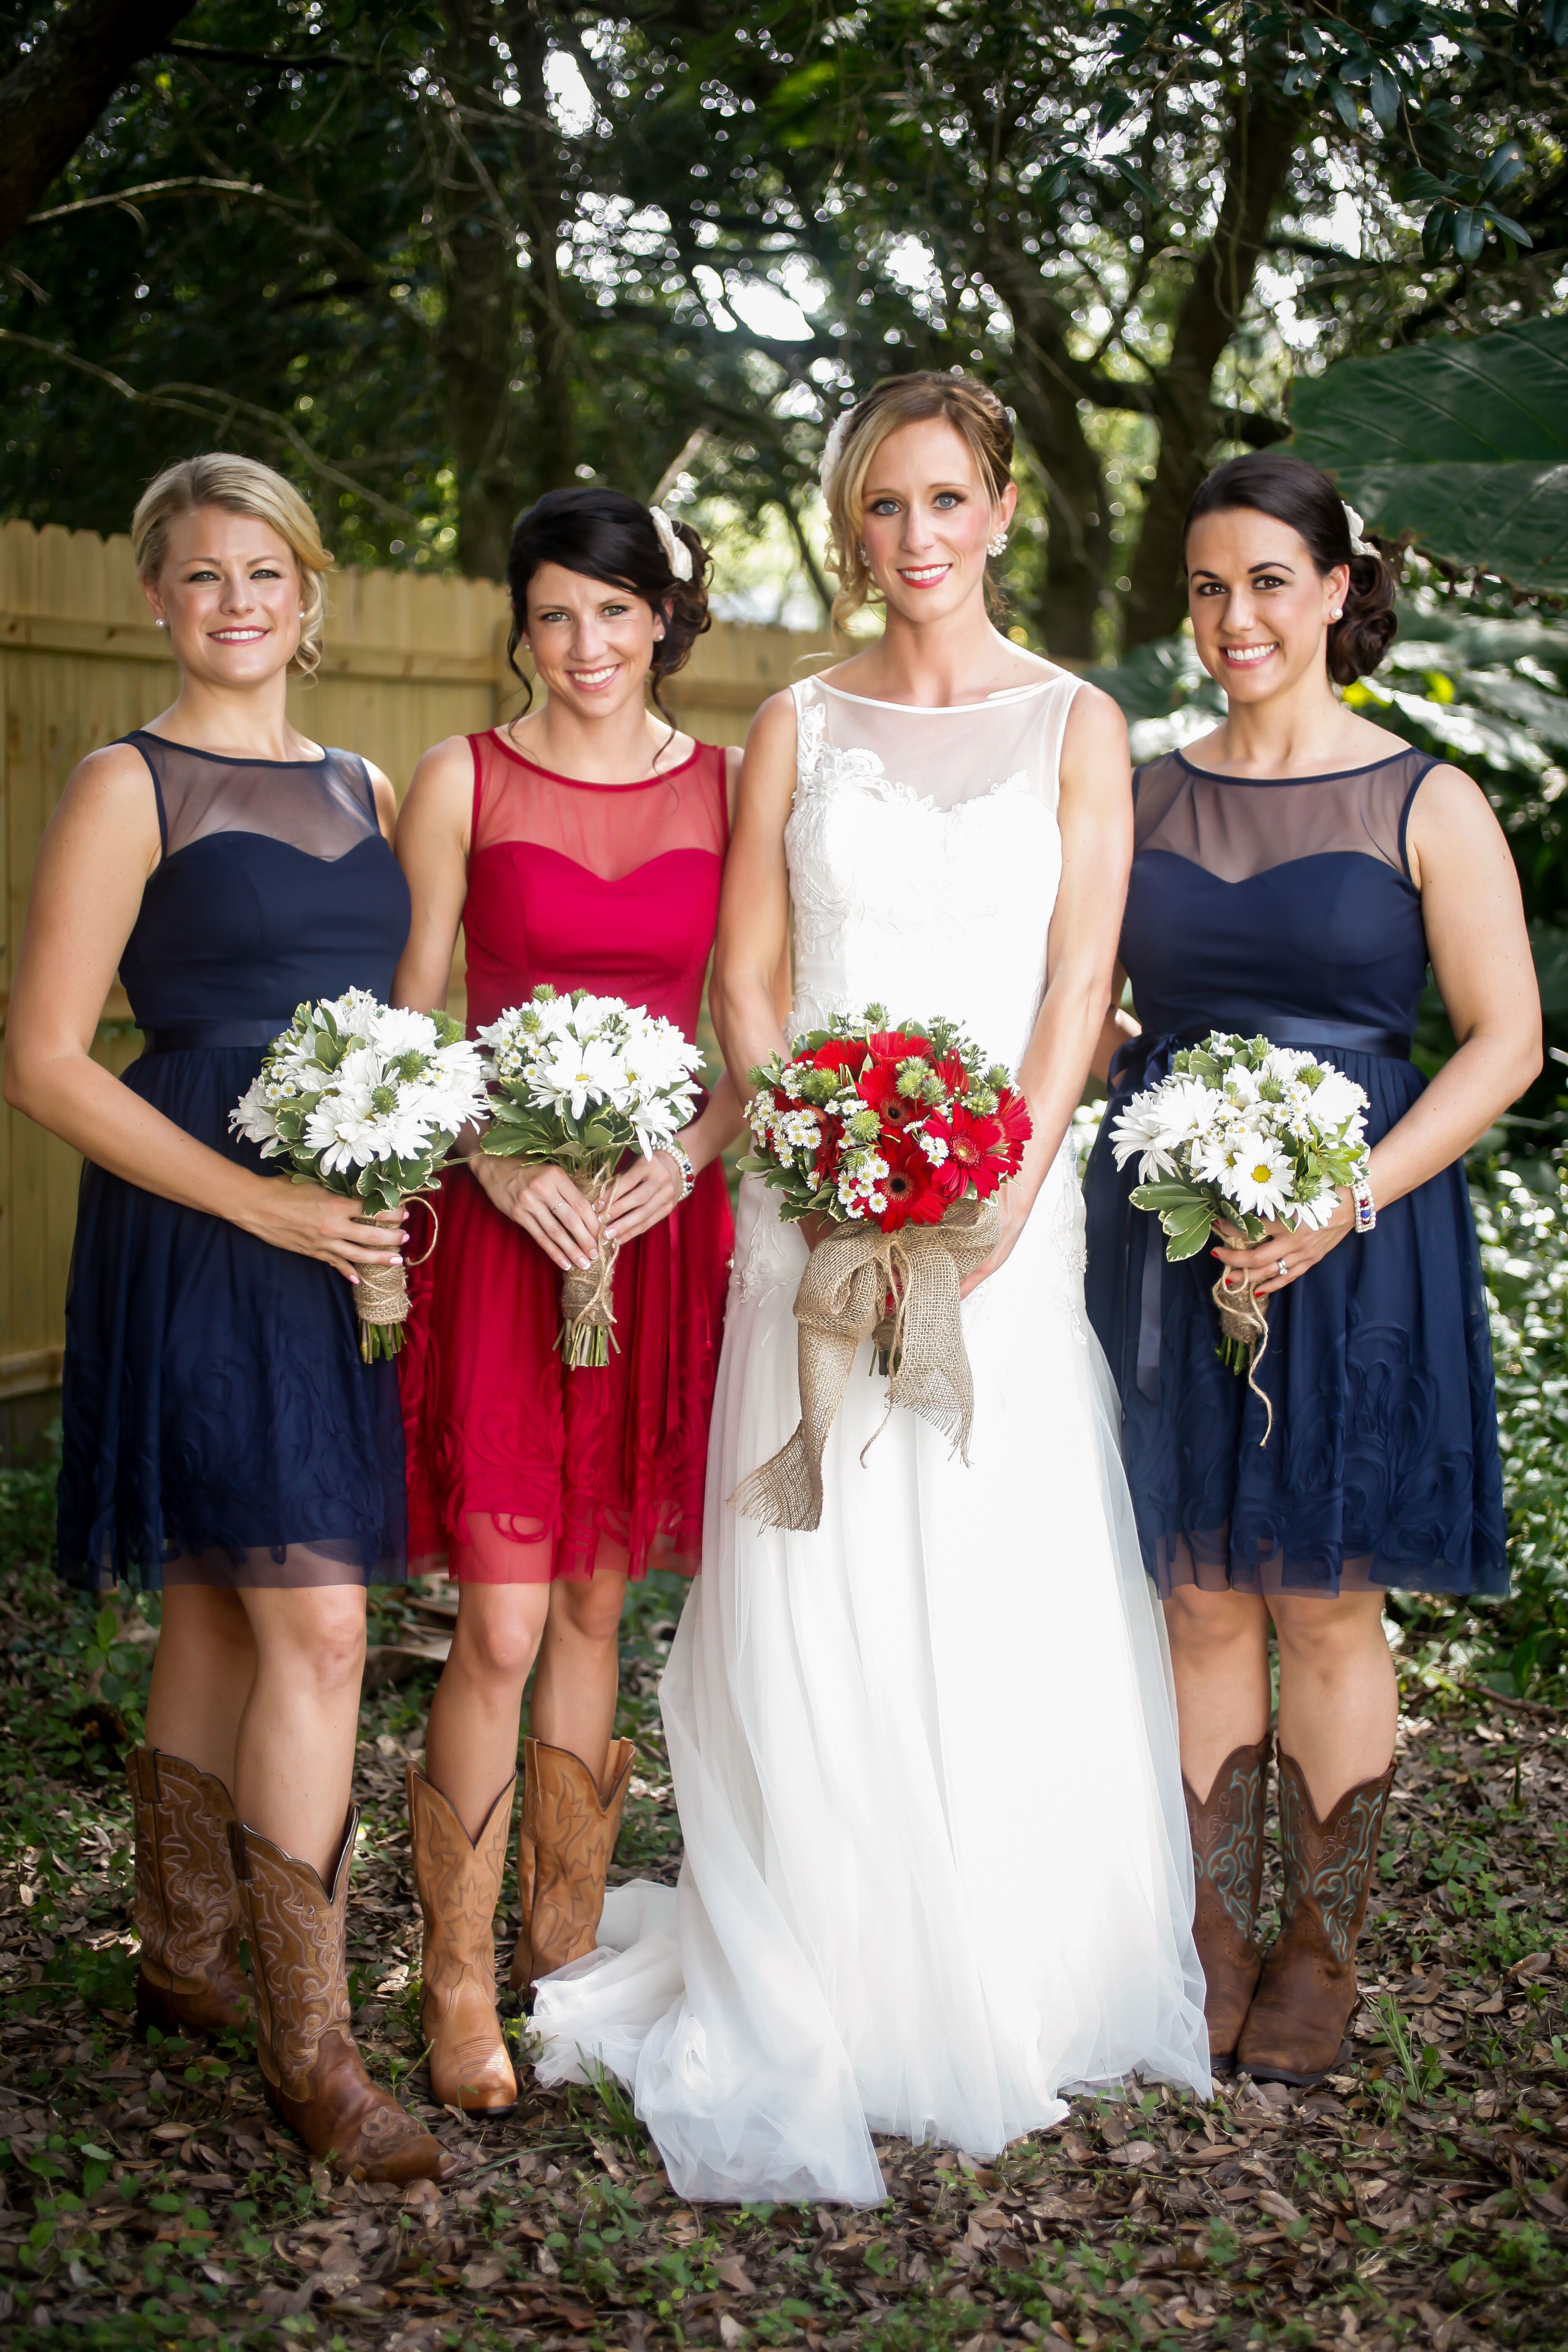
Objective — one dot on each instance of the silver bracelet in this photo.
(1364, 1205)
(688, 1174)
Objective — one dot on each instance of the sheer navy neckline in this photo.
(228, 759)
(1327, 776)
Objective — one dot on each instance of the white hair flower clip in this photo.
(833, 447)
(677, 554)
(1358, 530)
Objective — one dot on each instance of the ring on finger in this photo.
(1284, 1271)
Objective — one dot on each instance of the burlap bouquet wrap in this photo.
(840, 1302)
(588, 1292)
(1244, 1323)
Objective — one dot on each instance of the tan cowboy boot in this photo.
(188, 1976)
(312, 2074)
(1295, 2030)
(564, 1843)
(458, 1880)
(1226, 1829)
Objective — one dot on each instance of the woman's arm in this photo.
(1481, 961)
(432, 839)
(1115, 1030)
(1095, 815)
(748, 995)
(98, 851)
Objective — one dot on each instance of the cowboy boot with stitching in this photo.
(460, 1880)
(188, 1976)
(312, 2074)
(1295, 2030)
(565, 1839)
(1227, 1830)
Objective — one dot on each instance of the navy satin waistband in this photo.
(204, 1036)
(1139, 1053)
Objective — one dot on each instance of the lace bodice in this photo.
(924, 856)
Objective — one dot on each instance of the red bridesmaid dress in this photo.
(518, 1468)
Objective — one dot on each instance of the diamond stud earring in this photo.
(998, 544)
(865, 559)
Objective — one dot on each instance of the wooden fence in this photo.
(408, 660)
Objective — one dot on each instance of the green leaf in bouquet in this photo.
(1185, 1241)
(1168, 1195)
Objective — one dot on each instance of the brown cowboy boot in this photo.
(1227, 1828)
(458, 1880)
(311, 2071)
(1295, 2030)
(188, 1976)
(564, 1842)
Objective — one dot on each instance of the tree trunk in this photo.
(553, 428)
(1045, 401)
(51, 98)
(480, 279)
(1258, 155)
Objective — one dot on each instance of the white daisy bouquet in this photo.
(368, 1101)
(1247, 1132)
(582, 1080)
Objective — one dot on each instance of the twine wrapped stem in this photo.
(381, 1299)
(587, 1312)
(1243, 1322)
(843, 1300)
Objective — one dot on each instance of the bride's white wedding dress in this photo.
(937, 1865)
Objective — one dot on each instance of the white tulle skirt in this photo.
(937, 1868)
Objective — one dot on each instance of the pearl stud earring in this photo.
(1338, 614)
(865, 559)
(160, 625)
(998, 544)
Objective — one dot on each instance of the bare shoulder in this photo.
(113, 789)
(445, 774)
(774, 724)
(734, 760)
(385, 797)
(1094, 741)
(1450, 812)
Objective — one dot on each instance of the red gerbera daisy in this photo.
(977, 1151)
(878, 1088)
(912, 1200)
(840, 1053)
(1016, 1126)
(893, 1045)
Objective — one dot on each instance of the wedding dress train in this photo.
(936, 1858)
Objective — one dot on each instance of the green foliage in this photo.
(1457, 444)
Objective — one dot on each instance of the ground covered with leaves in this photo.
(146, 2197)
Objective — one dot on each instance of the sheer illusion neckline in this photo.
(986, 702)
(230, 759)
(1326, 776)
(581, 783)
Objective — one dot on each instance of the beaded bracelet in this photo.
(1365, 1207)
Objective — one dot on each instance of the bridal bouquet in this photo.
(582, 1080)
(368, 1101)
(899, 1139)
(1247, 1132)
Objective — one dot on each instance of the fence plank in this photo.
(409, 660)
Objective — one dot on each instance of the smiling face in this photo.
(228, 592)
(592, 644)
(926, 515)
(1260, 607)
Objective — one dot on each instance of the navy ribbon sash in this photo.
(204, 1036)
(1141, 1063)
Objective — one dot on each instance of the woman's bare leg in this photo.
(1339, 1694)
(470, 1740)
(202, 1670)
(1219, 1652)
(295, 1751)
(578, 1681)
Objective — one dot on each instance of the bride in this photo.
(936, 1866)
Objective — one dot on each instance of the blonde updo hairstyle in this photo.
(972, 410)
(240, 486)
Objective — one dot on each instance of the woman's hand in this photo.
(314, 1223)
(1014, 1205)
(545, 1202)
(1285, 1248)
(643, 1195)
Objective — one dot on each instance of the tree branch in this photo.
(50, 100)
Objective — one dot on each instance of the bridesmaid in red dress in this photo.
(582, 844)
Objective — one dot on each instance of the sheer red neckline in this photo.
(581, 783)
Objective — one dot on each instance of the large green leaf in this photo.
(1461, 443)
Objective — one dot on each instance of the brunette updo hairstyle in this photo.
(610, 536)
(977, 416)
(1296, 493)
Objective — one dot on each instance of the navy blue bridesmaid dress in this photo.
(219, 1427)
(1284, 907)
